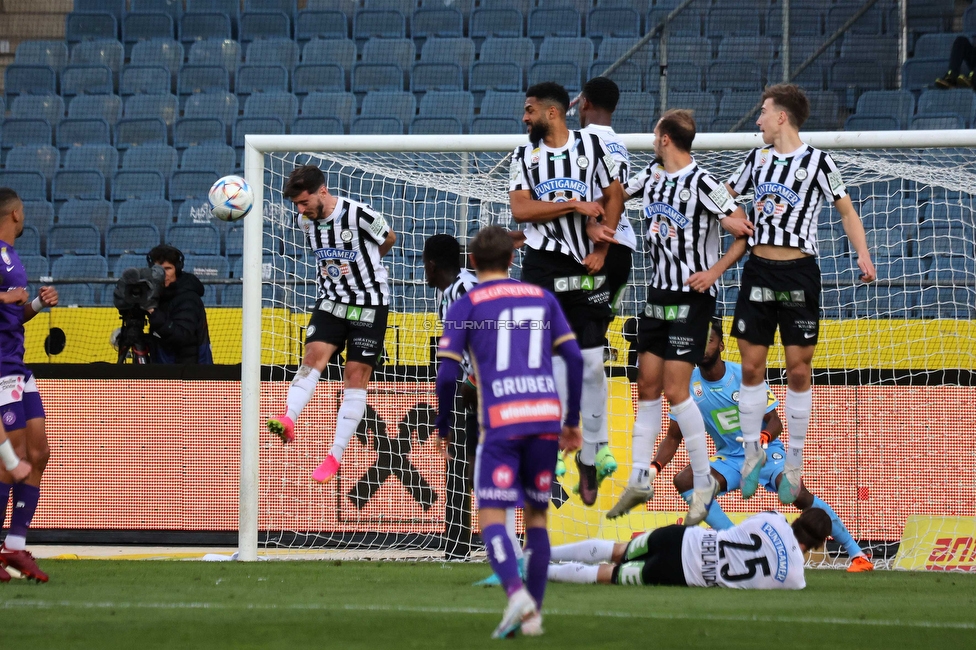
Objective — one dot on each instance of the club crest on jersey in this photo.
(663, 209)
(582, 162)
(697, 387)
(334, 271)
(684, 195)
(534, 160)
(663, 229)
(801, 174)
(5, 256)
(560, 184)
(346, 235)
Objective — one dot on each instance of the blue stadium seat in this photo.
(339, 105)
(77, 184)
(448, 50)
(53, 54)
(203, 26)
(397, 51)
(76, 239)
(321, 24)
(86, 79)
(640, 106)
(131, 239)
(518, 51)
(29, 185)
(172, 7)
(936, 121)
(117, 265)
(95, 212)
(613, 21)
(208, 267)
(509, 105)
(99, 52)
(436, 126)
(219, 104)
(882, 50)
(162, 107)
(73, 133)
(399, 105)
(887, 211)
(899, 104)
(554, 21)
(612, 48)
(318, 78)
(194, 239)
(384, 23)
(273, 51)
(47, 107)
(151, 157)
(28, 79)
(442, 22)
(197, 211)
(80, 26)
(272, 104)
(35, 265)
(682, 77)
(79, 266)
(741, 75)
(189, 184)
(41, 158)
(29, 242)
(232, 8)
(944, 240)
(960, 101)
(869, 24)
(759, 50)
(804, 21)
(689, 49)
(736, 105)
(17, 132)
(221, 52)
(887, 242)
(436, 76)
(317, 126)
(155, 212)
(202, 79)
(932, 46)
(824, 109)
(142, 26)
(564, 73)
(871, 122)
(811, 78)
(627, 76)
(945, 302)
(852, 77)
(731, 21)
(114, 7)
(492, 125)
(340, 52)
(265, 125)
(687, 23)
(257, 25)
(39, 215)
(129, 185)
(215, 157)
(139, 131)
(368, 77)
(377, 126)
(190, 131)
(253, 78)
(287, 7)
(703, 104)
(145, 80)
(505, 23)
(578, 50)
(96, 107)
(919, 74)
(164, 52)
(495, 76)
(951, 271)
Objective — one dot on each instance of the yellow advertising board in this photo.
(938, 544)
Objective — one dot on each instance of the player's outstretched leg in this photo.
(798, 407)
(752, 408)
(701, 502)
(640, 487)
(299, 393)
(350, 414)
(14, 553)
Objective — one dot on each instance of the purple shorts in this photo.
(19, 401)
(508, 471)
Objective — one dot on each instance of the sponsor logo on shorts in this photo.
(503, 477)
(9, 418)
(543, 481)
(678, 313)
(310, 330)
(541, 410)
(579, 283)
(495, 494)
(365, 343)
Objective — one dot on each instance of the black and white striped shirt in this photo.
(682, 212)
(461, 285)
(789, 193)
(625, 231)
(570, 173)
(346, 245)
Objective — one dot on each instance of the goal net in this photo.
(890, 441)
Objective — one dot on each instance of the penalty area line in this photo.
(657, 616)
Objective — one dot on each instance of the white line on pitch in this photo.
(661, 616)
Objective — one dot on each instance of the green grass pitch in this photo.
(325, 604)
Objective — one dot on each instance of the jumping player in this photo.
(348, 240)
(781, 279)
(509, 331)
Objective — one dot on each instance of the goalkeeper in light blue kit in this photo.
(510, 331)
(715, 389)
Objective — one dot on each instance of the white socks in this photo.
(513, 532)
(752, 408)
(689, 418)
(573, 572)
(350, 414)
(301, 390)
(593, 404)
(590, 551)
(647, 427)
(15, 542)
(559, 375)
(798, 407)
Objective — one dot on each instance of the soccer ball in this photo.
(230, 198)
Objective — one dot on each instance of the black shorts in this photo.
(585, 298)
(469, 406)
(360, 330)
(617, 269)
(778, 294)
(675, 324)
(653, 558)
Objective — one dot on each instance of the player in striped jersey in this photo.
(553, 184)
(348, 240)
(684, 207)
(781, 279)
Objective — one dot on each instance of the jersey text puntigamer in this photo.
(625, 234)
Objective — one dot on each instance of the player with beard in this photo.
(715, 389)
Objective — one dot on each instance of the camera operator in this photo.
(178, 324)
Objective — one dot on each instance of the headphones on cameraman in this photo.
(180, 259)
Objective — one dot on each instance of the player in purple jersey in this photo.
(509, 331)
(21, 410)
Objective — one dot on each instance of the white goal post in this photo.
(937, 163)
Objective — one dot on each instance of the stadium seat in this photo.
(171, 7)
(321, 24)
(505, 23)
(77, 184)
(41, 158)
(53, 54)
(442, 22)
(164, 52)
(734, 76)
(96, 107)
(495, 76)
(436, 76)
(682, 77)
(456, 104)
(811, 78)
(939, 239)
(17, 132)
(202, 26)
(46, 107)
(156, 212)
(118, 264)
(936, 121)
(191, 184)
(79, 266)
(919, 74)
(317, 126)
(215, 104)
(256, 25)
(273, 51)
(28, 79)
(143, 26)
(73, 133)
(221, 52)
(518, 51)
(208, 268)
(138, 131)
(99, 52)
(852, 77)
(39, 215)
(397, 51)
(704, 105)
(35, 265)
(78, 239)
(492, 125)
(368, 77)
(232, 8)
(399, 105)
(804, 21)
(758, 50)
(339, 105)
(384, 23)
(218, 158)
(265, 125)
(95, 212)
(868, 24)
(272, 104)
(627, 76)
(871, 122)
(951, 271)
(151, 157)
(194, 239)
(377, 126)
(114, 7)
(197, 211)
(191, 131)
(448, 50)
(947, 302)
(613, 21)
(735, 105)
(566, 74)
(161, 107)
(887, 242)
(131, 239)
(129, 185)
(886, 211)
(436, 126)
(824, 109)
(960, 101)
(341, 52)
(612, 48)
(80, 26)
(252, 78)
(555, 21)
(29, 185)
(508, 105)
(318, 78)
(144, 80)
(86, 79)
(738, 21)
(687, 23)
(899, 104)
(577, 50)
(29, 242)
(202, 78)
